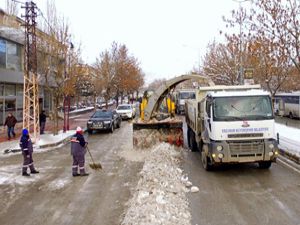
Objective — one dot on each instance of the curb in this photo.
(288, 160)
(80, 112)
(55, 144)
(288, 163)
(64, 141)
(290, 156)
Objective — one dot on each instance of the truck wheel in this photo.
(291, 115)
(205, 160)
(188, 137)
(193, 144)
(265, 164)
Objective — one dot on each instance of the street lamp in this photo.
(66, 96)
(240, 72)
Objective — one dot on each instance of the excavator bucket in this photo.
(153, 126)
(147, 134)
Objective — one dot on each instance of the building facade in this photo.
(12, 70)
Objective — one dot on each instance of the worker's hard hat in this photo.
(79, 130)
(24, 131)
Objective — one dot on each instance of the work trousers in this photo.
(78, 163)
(27, 162)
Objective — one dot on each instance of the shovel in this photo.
(93, 165)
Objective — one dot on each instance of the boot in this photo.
(25, 174)
(75, 174)
(35, 171)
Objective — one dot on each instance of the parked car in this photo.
(104, 120)
(126, 111)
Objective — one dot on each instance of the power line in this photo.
(47, 22)
(41, 14)
(23, 3)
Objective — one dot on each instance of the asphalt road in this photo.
(55, 197)
(241, 194)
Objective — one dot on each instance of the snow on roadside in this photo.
(45, 139)
(160, 194)
(288, 138)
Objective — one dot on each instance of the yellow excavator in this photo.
(157, 125)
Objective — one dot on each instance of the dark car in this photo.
(104, 120)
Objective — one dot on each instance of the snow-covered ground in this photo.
(160, 196)
(81, 110)
(289, 138)
(44, 144)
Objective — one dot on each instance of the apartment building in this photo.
(12, 69)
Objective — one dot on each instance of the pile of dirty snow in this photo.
(146, 138)
(160, 194)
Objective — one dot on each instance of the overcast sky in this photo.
(169, 37)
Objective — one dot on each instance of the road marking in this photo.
(72, 117)
(81, 120)
(280, 161)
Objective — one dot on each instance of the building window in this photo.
(10, 105)
(2, 53)
(10, 90)
(1, 89)
(47, 100)
(13, 56)
(20, 89)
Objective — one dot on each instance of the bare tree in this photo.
(268, 37)
(54, 62)
(118, 73)
(279, 21)
(220, 63)
(12, 8)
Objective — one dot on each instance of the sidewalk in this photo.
(48, 139)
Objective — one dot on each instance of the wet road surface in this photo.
(239, 194)
(242, 194)
(55, 197)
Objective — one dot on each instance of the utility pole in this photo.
(67, 99)
(240, 71)
(31, 91)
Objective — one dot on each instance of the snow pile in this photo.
(146, 138)
(160, 193)
(47, 139)
(59, 184)
(288, 138)
(154, 120)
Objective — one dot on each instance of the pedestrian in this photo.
(27, 150)
(42, 121)
(10, 122)
(78, 151)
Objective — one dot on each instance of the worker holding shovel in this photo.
(78, 145)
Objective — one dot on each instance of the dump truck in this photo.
(180, 97)
(232, 124)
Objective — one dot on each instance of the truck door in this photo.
(207, 121)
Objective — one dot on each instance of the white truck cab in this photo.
(232, 124)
